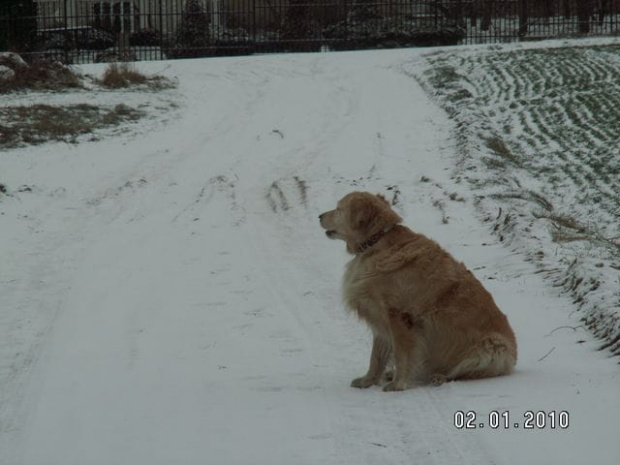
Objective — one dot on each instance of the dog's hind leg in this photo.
(493, 356)
(379, 357)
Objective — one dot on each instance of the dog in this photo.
(429, 315)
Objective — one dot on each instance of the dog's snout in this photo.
(321, 216)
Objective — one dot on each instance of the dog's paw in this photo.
(438, 379)
(394, 387)
(362, 383)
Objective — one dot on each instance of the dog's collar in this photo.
(372, 240)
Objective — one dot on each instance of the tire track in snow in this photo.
(33, 302)
(282, 190)
(46, 275)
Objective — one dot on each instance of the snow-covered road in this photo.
(169, 298)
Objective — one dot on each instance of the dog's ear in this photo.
(386, 213)
(363, 211)
(390, 216)
(383, 199)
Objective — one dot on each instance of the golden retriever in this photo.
(428, 313)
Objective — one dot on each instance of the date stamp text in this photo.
(529, 420)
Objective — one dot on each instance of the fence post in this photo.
(4, 28)
(603, 6)
(346, 21)
(523, 18)
(161, 30)
(254, 25)
(584, 11)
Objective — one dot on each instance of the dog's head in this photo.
(358, 217)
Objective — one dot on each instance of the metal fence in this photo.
(80, 31)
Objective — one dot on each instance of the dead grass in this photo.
(441, 206)
(54, 76)
(42, 75)
(123, 75)
(118, 75)
(526, 195)
(499, 148)
(36, 124)
(565, 228)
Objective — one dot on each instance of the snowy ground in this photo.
(169, 298)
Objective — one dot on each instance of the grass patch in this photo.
(36, 124)
(123, 75)
(42, 75)
(444, 77)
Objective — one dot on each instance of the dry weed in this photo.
(122, 75)
(118, 75)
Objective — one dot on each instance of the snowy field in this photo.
(545, 125)
(168, 297)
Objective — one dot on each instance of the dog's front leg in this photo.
(379, 357)
(403, 344)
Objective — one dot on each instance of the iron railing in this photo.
(104, 30)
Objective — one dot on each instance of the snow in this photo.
(168, 296)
